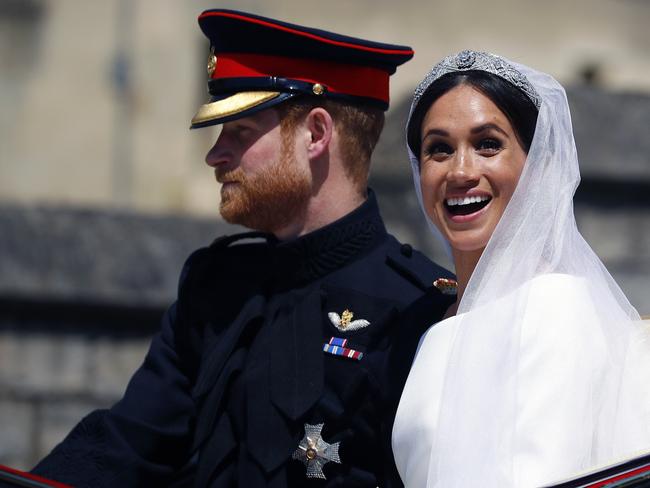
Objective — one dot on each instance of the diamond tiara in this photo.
(479, 61)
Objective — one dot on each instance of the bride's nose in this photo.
(463, 168)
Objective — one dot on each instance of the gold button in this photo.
(318, 89)
(212, 64)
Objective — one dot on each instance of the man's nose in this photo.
(220, 153)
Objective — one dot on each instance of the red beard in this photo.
(269, 200)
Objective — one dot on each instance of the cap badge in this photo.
(446, 286)
(344, 322)
(315, 453)
(318, 89)
(212, 62)
(338, 347)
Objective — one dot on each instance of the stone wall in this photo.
(81, 293)
(48, 382)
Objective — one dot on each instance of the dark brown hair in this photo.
(517, 107)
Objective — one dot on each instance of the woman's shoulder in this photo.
(558, 285)
(559, 308)
(559, 294)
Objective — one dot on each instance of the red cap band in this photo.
(348, 79)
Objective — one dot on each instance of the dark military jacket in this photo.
(267, 371)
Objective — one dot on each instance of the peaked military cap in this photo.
(256, 62)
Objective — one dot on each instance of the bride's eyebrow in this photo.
(435, 132)
(486, 127)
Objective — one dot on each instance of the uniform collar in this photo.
(313, 255)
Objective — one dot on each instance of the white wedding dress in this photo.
(557, 385)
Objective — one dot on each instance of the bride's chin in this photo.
(466, 243)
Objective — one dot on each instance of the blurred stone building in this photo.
(103, 192)
(97, 96)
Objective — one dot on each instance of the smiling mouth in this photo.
(466, 205)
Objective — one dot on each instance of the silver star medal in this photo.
(315, 453)
(344, 322)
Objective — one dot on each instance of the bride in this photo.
(540, 368)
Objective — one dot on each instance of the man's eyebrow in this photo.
(488, 126)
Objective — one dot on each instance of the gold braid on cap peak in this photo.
(232, 105)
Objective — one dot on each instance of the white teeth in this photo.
(466, 200)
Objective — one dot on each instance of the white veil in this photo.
(537, 235)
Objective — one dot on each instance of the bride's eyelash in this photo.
(437, 148)
(489, 144)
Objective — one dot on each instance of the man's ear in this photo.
(320, 127)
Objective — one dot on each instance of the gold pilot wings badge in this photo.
(344, 322)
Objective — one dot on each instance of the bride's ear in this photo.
(320, 126)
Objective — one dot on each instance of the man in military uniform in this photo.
(266, 372)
